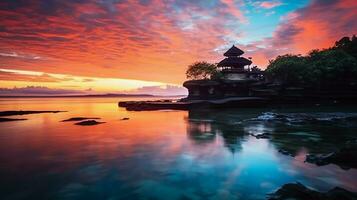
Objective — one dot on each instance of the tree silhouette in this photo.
(201, 70)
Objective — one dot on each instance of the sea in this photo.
(167, 154)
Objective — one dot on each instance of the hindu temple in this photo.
(236, 81)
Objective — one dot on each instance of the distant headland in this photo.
(75, 96)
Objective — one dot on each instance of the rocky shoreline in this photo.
(344, 157)
(193, 104)
(232, 102)
(5, 114)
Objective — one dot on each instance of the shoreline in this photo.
(232, 102)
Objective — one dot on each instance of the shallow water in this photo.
(167, 154)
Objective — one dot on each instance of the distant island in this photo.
(87, 95)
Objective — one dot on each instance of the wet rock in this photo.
(307, 118)
(351, 118)
(345, 158)
(294, 191)
(153, 105)
(2, 119)
(125, 118)
(11, 113)
(285, 152)
(338, 193)
(79, 119)
(262, 136)
(297, 191)
(319, 159)
(193, 104)
(88, 123)
(270, 116)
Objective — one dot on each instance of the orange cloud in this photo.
(131, 39)
(151, 40)
(12, 76)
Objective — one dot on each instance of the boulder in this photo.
(297, 191)
(345, 157)
(79, 119)
(262, 136)
(88, 123)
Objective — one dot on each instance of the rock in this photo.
(228, 102)
(2, 119)
(345, 158)
(262, 136)
(297, 191)
(338, 193)
(294, 191)
(11, 113)
(319, 159)
(285, 152)
(79, 119)
(153, 105)
(125, 118)
(88, 123)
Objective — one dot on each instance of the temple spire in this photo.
(234, 60)
(233, 52)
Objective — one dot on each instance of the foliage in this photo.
(256, 69)
(287, 69)
(202, 70)
(331, 68)
(348, 45)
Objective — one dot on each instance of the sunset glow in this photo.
(91, 47)
(75, 85)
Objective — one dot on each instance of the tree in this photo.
(328, 69)
(331, 68)
(202, 70)
(256, 69)
(349, 45)
(287, 69)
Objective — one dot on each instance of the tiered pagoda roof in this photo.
(233, 59)
(234, 51)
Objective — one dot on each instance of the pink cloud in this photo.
(132, 40)
(234, 10)
(153, 40)
(312, 27)
(270, 4)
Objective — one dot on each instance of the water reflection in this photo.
(260, 158)
(160, 155)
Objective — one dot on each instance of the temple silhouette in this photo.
(237, 79)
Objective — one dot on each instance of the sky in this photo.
(144, 46)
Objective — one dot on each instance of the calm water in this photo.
(165, 154)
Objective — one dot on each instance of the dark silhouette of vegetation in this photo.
(202, 70)
(256, 69)
(332, 68)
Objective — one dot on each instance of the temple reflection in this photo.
(282, 153)
(289, 136)
(204, 127)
